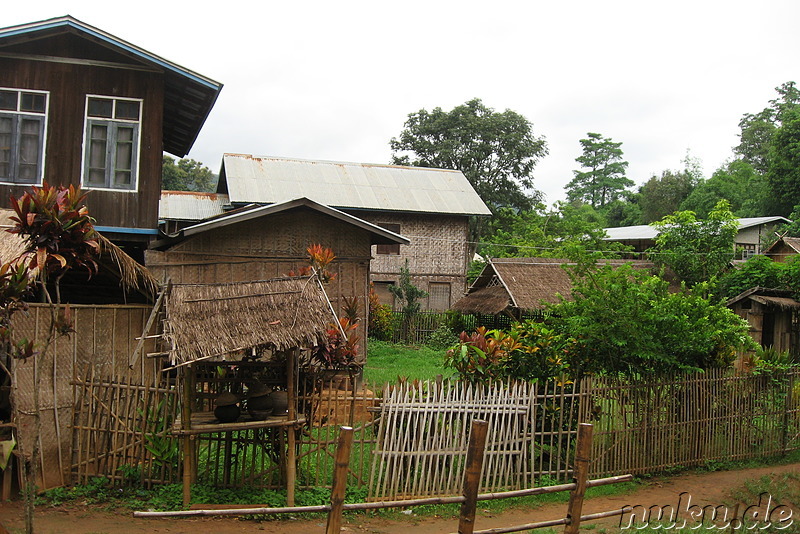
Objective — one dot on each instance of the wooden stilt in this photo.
(186, 416)
(291, 452)
(472, 476)
(583, 450)
(339, 480)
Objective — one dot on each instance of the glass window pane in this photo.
(96, 177)
(98, 143)
(8, 100)
(32, 102)
(29, 150)
(6, 126)
(122, 178)
(127, 109)
(100, 107)
(124, 156)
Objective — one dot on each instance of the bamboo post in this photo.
(339, 480)
(472, 476)
(186, 417)
(291, 452)
(583, 452)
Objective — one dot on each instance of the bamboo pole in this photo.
(583, 451)
(186, 417)
(472, 476)
(339, 480)
(291, 451)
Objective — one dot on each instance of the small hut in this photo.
(236, 341)
(773, 317)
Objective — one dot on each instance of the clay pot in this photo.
(261, 403)
(227, 413)
(280, 402)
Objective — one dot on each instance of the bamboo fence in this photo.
(422, 436)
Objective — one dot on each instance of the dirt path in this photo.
(705, 488)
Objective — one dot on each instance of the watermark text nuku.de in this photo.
(766, 513)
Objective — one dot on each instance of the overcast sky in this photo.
(335, 80)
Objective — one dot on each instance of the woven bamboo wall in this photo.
(103, 340)
(438, 251)
(264, 249)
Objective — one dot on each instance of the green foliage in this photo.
(496, 151)
(660, 196)
(604, 178)
(757, 271)
(696, 250)
(482, 356)
(626, 321)
(408, 296)
(442, 338)
(380, 325)
(738, 183)
(186, 175)
(783, 158)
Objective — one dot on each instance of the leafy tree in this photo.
(738, 183)
(626, 321)
(604, 180)
(186, 175)
(696, 250)
(783, 158)
(758, 129)
(496, 151)
(660, 196)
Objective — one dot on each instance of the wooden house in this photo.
(79, 106)
(264, 242)
(783, 249)
(773, 317)
(518, 286)
(431, 207)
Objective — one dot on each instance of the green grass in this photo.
(387, 361)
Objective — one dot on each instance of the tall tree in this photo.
(604, 179)
(737, 182)
(660, 196)
(697, 250)
(783, 159)
(186, 175)
(496, 151)
(758, 129)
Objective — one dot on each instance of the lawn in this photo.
(387, 361)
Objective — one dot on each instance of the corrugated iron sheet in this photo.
(190, 206)
(270, 180)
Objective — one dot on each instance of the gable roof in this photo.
(523, 283)
(791, 242)
(268, 180)
(188, 96)
(646, 231)
(379, 235)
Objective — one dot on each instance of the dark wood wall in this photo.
(68, 84)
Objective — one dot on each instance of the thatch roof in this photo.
(522, 283)
(212, 320)
(771, 298)
(113, 261)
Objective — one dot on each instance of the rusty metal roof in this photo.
(190, 205)
(267, 180)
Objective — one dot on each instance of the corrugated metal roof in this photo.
(645, 231)
(268, 180)
(190, 206)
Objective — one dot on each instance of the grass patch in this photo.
(386, 361)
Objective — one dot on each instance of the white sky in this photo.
(336, 80)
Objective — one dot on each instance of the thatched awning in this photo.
(117, 264)
(484, 301)
(212, 320)
(782, 303)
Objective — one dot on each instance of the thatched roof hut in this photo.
(518, 285)
(120, 278)
(772, 315)
(213, 320)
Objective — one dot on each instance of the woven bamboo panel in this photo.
(102, 337)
